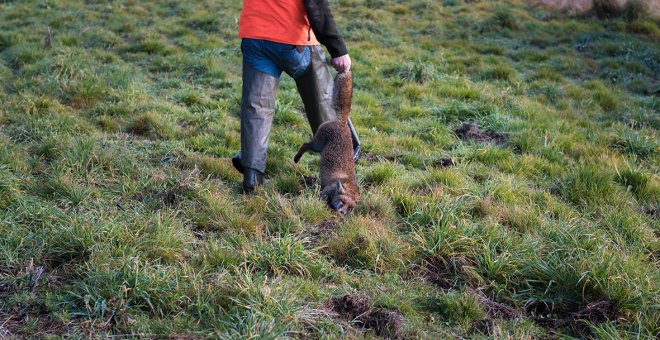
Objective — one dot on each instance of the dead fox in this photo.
(333, 141)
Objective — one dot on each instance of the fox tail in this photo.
(343, 92)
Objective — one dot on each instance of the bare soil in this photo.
(322, 231)
(386, 323)
(444, 272)
(470, 131)
(596, 312)
(445, 162)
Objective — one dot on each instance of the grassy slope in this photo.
(115, 179)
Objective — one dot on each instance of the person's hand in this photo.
(342, 64)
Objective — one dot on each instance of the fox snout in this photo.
(339, 198)
(341, 207)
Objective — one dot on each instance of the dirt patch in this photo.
(309, 181)
(358, 309)
(540, 310)
(444, 271)
(172, 194)
(384, 322)
(548, 314)
(496, 310)
(322, 231)
(653, 212)
(470, 131)
(445, 162)
(14, 326)
(350, 306)
(183, 186)
(23, 278)
(128, 38)
(596, 312)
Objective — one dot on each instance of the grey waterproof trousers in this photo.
(258, 105)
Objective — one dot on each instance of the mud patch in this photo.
(470, 131)
(358, 309)
(444, 271)
(596, 312)
(384, 322)
(540, 311)
(350, 306)
(445, 162)
(322, 231)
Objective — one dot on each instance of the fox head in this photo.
(339, 198)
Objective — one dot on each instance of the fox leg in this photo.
(303, 148)
(317, 145)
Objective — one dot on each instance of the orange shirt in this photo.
(283, 21)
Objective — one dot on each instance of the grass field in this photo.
(120, 212)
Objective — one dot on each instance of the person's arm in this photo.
(323, 23)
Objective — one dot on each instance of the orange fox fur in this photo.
(333, 141)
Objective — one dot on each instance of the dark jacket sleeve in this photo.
(325, 29)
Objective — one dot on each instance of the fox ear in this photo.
(340, 187)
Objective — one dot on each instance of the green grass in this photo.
(121, 214)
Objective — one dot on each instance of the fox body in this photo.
(333, 141)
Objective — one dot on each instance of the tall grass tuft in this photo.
(503, 18)
(643, 185)
(588, 186)
(283, 255)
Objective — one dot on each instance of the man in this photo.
(284, 35)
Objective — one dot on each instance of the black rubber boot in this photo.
(236, 162)
(251, 178)
(357, 147)
(315, 88)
